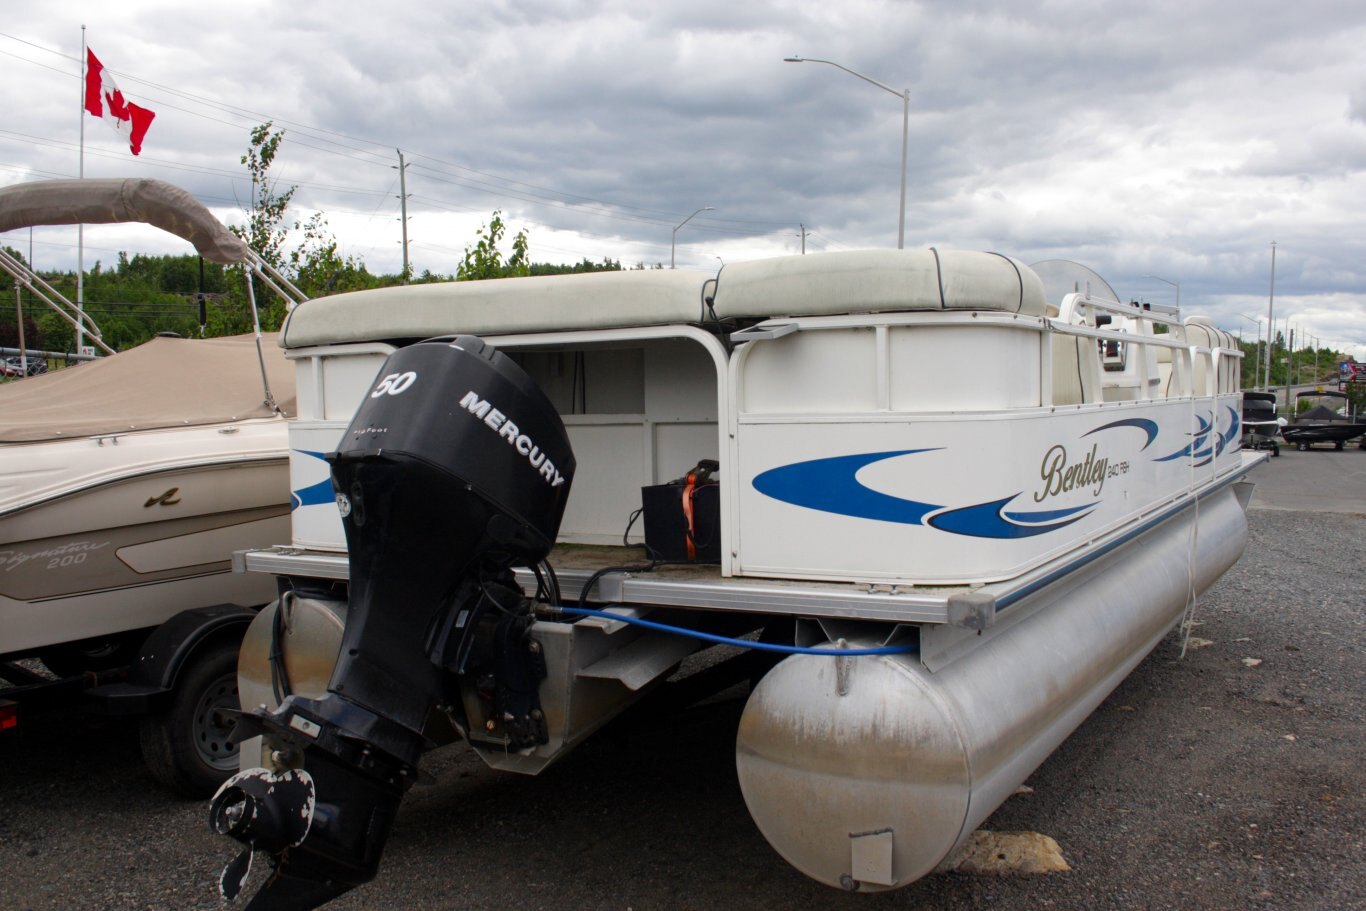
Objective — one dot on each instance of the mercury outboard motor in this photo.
(455, 469)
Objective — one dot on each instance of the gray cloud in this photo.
(1168, 139)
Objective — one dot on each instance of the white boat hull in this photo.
(101, 536)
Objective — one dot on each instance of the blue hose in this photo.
(744, 643)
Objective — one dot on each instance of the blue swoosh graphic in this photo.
(990, 520)
(1226, 438)
(1143, 424)
(314, 494)
(1046, 515)
(829, 485)
(1194, 448)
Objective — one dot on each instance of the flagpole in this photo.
(80, 229)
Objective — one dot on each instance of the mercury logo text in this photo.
(499, 423)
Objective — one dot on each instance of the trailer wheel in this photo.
(191, 747)
(1338, 445)
(1302, 447)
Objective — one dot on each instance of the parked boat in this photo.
(953, 574)
(1326, 421)
(126, 484)
(1261, 426)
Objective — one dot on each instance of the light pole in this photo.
(674, 244)
(1258, 362)
(1176, 285)
(1270, 325)
(905, 97)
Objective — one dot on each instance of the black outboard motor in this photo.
(455, 468)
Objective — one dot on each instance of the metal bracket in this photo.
(763, 332)
(870, 858)
(843, 665)
(971, 610)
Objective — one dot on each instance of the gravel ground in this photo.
(1201, 783)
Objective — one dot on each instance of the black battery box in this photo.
(683, 517)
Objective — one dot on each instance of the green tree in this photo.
(484, 260)
(265, 233)
(587, 265)
(318, 267)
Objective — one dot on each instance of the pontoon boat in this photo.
(954, 574)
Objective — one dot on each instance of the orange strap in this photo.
(687, 512)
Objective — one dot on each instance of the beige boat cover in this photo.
(167, 382)
(860, 281)
(106, 201)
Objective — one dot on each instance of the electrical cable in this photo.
(745, 643)
(279, 676)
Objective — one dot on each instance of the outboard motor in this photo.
(455, 469)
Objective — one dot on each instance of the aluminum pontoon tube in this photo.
(872, 789)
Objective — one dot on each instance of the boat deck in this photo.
(695, 586)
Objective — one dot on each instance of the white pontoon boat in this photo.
(963, 506)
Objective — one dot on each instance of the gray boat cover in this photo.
(105, 201)
(167, 382)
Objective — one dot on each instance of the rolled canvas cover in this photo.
(107, 201)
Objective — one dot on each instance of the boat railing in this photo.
(53, 299)
(1192, 358)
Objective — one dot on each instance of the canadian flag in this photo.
(129, 120)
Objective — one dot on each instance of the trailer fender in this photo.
(165, 654)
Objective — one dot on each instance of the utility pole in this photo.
(403, 208)
(803, 227)
(1289, 367)
(80, 228)
(1270, 324)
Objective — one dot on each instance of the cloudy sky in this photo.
(1159, 143)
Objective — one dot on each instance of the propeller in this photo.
(265, 811)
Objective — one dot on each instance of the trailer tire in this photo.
(191, 746)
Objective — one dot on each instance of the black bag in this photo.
(683, 518)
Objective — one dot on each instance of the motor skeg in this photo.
(455, 468)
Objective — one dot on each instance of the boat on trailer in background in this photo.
(942, 609)
(1325, 421)
(1261, 426)
(126, 484)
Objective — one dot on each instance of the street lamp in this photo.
(905, 132)
(674, 244)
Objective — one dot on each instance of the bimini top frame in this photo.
(121, 200)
